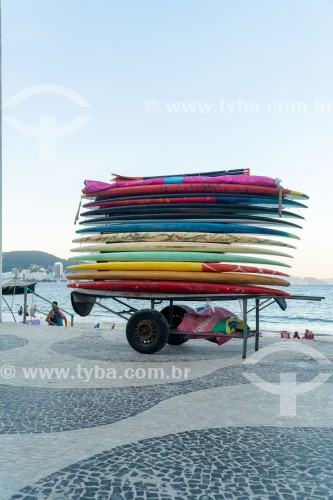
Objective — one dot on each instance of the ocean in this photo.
(299, 315)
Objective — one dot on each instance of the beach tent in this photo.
(15, 286)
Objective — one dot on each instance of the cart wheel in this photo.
(147, 331)
(178, 313)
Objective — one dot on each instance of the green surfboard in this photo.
(176, 256)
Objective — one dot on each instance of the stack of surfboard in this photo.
(209, 233)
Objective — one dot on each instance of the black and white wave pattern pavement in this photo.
(220, 463)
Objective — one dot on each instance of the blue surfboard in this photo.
(204, 227)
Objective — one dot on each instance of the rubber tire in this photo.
(178, 313)
(147, 331)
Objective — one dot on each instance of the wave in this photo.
(279, 319)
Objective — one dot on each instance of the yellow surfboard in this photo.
(139, 266)
(147, 246)
(231, 278)
(212, 267)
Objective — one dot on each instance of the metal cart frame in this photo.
(148, 330)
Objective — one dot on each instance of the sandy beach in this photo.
(85, 416)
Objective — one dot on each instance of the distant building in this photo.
(25, 274)
(58, 270)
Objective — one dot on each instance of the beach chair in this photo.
(308, 336)
(284, 334)
(32, 322)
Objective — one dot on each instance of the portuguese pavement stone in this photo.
(205, 425)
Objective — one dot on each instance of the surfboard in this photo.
(231, 278)
(224, 184)
(176, 256)
(250, 180)
(211, 267)
(203, 208)
(222, 200)
(162, 218)
(235, 171)
(160, 236)
(151, 246)
(93, 186)
(130, 238)
(189, 287)
(185, 226)
(195, 188)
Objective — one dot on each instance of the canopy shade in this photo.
(15, 286)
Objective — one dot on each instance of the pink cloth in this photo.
(251, 180)
(197, 323)
(92, 186)
(204, 321)
(218, 311)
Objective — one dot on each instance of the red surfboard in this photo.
(236, 268)
(190, 287)
(189, 188)
(152, 201)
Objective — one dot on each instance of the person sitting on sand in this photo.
(55, 316)
(296, 336)
(308, 335)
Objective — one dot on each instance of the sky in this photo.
(147, 87)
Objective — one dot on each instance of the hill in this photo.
(29, 259)
(309, 280)
(328, 281)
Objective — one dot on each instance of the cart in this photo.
(149, 330)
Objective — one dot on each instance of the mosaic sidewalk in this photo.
(190, 422)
